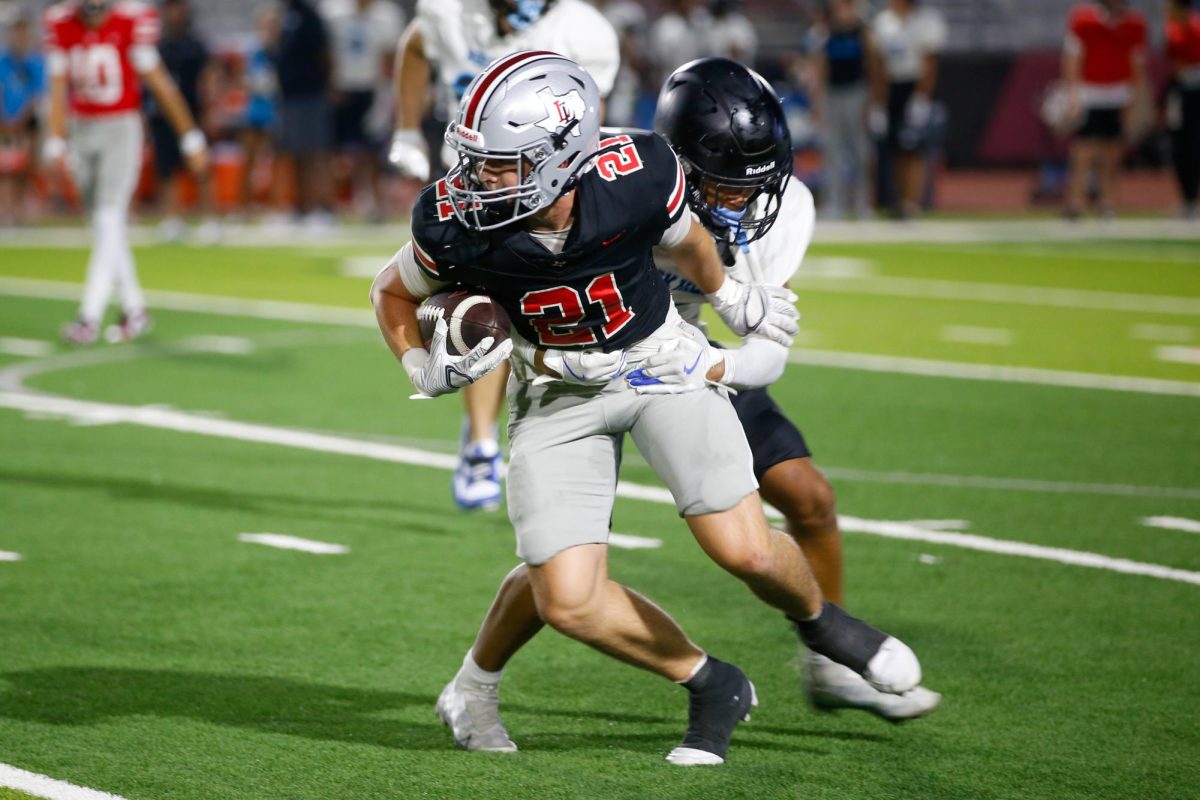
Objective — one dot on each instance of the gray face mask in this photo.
(534, 111)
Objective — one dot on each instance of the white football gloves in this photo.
(407, 154)
(435, 372)
(766, 311)
(577, 367)
(681, 366)
(585, 367)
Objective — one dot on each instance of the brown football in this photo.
(470, 318)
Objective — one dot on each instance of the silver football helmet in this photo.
(535, 109)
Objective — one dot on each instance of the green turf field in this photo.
(147, 652)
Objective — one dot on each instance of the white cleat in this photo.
(691, 757)
(894, 668)
(473, 716)
(832, 686)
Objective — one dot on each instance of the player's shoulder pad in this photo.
(59, 13)
(664, 171)
(439, 240)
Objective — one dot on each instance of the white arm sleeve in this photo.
(144, 57)
(757, 363)
(678, 231)
(56, 60)
(412, 276)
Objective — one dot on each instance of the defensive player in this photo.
(458, 38)
(737, 154)
(1104, 68)
(99, 54)
(557, 226)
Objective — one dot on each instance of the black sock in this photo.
(840, 637)
(707, 677)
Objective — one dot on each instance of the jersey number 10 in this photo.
(96, 74)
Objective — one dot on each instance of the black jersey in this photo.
(602, 291)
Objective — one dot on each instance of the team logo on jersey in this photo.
(560, 109)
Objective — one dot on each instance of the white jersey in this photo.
(361, 40)
(904, 41)
(772, 260)
(460, 40)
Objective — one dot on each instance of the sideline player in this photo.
(557, 226)
(458, 38)
(740, 185)
(1104, 68)
(99, 53)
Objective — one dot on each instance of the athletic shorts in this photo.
(565, 451)
(349, 119)
(168, 159)
(1101, 123)
(106, 159)
(305, 126)
(772, 436)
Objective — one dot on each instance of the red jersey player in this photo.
(100, 53)
(1183, 110)
(1104, 66)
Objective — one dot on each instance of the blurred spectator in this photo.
(22, 87)
(730, 33)
(1104, 67)
(303, 65)
(364, 35)
(1183, 103)
(907, 41)
(456, 39)
(260, 120)
(186, 58)
(841, 47)
(631, 88)
(678, 36)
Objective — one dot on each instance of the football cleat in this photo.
(894, 668)
(80, 332)
(832, 686)
(130, 326)
(713, 713)
(476, 481)
(473, 716)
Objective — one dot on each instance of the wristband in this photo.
(192, 142)
(414, 360)
(54, 148)
(726, 293)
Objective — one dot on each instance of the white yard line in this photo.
(973, 334)
(179, 421)
(286, 542)
(991, 372)
(1177, 354)
(1010, 484)
(1173, 524)
(33, 348)
(972, 292)
(6, 555)
(1150, 332)
(627, 542)
(42, 786)
(303, 312)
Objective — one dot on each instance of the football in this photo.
(470, 318)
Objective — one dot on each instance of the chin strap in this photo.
(732, 220)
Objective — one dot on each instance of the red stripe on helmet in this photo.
(475, 104)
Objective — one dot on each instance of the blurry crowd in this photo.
(300, 110)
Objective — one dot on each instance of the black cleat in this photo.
(721, 697)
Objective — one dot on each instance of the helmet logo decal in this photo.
(560, 109)
(760, 169)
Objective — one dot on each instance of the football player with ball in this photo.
(558, 225)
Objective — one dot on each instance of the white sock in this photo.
(474, 675)
(112, 223)
(101, 276)
(699, 666)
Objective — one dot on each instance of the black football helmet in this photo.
(727, 126)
